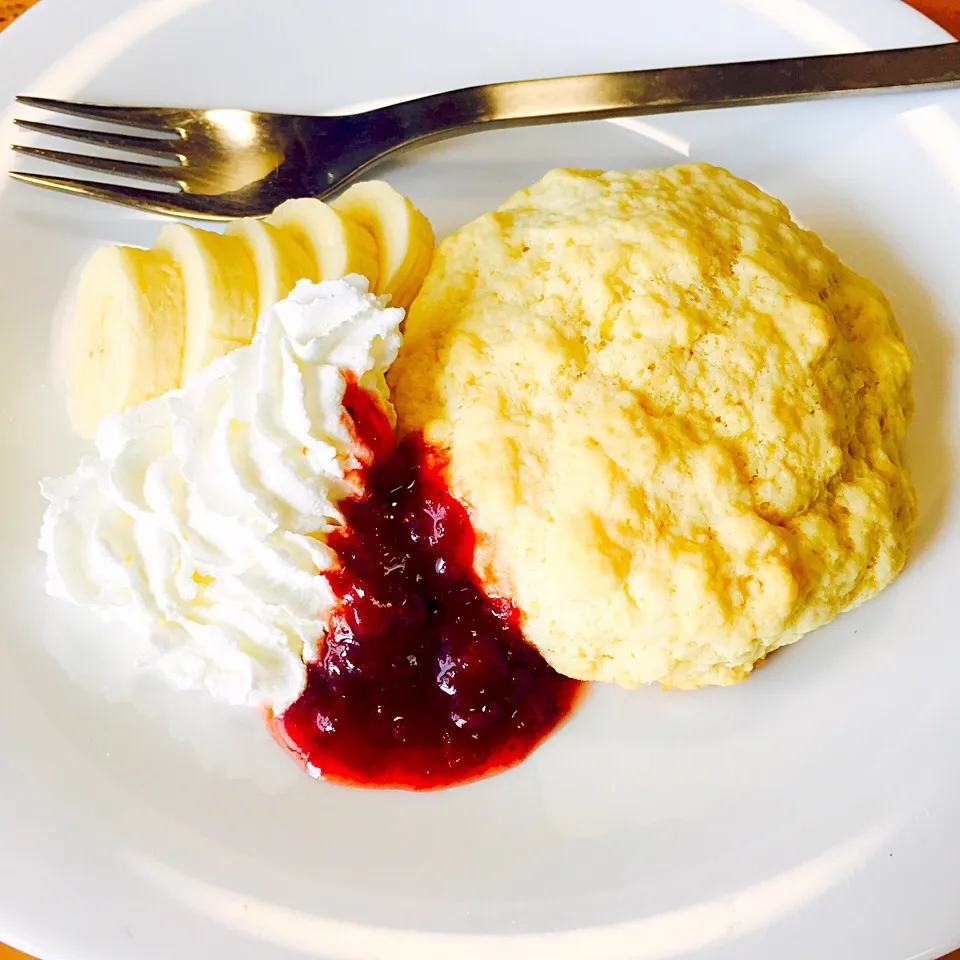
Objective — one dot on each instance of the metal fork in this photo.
(226, 163)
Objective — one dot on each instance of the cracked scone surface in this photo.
(675, 415)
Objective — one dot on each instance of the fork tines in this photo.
(164, 146)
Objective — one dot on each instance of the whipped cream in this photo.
(202, 519)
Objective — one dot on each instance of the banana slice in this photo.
(403, 235)
(338, 245)
(280, 261)
(220, 288)
(124, 341)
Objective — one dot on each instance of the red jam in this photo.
(425, 681)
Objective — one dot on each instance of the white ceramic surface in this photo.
(811, 812)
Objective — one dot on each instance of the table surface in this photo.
(945, 12)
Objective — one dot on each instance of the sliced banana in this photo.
(402, 233)
(337, 245)
(146, 320)
(220, 288)
(125, 339)
(279, 260)
(407, 289)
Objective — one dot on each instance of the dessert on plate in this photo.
(637, 427)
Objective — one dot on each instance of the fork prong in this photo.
(176, 203)
(163, 173)
(150, 118)
(151, 146)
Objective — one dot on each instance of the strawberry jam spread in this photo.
(424, 680)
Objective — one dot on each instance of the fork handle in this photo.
(674, 89)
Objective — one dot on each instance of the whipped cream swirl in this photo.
(202, 519)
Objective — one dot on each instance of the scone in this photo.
(675, 416)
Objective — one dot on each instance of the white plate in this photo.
(811, 812)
